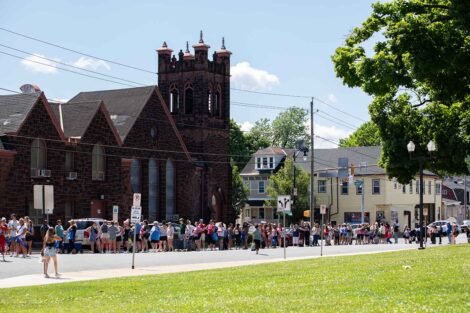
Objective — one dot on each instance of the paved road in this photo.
(86, 262)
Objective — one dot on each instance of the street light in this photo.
(299, 147)
(431, 147)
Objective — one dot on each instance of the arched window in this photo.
(209, 100)
(38, 156)
(174, 100)
(136, 176)
(98, 163)
(153, 190)
(170, 189)
(217, 100)
(188, 99)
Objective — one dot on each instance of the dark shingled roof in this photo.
(14, 109)
(77, 116)
(123, 105)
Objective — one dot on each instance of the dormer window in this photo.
(264, 163)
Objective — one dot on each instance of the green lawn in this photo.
(438, 281)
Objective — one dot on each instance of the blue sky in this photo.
(278, 46)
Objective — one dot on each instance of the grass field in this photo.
(433, 280)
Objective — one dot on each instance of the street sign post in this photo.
(284, 206)
(115, 213)
(322, 212)
(136, 215)
(136, 199)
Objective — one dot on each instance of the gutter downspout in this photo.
(61, 119)
(337, 197)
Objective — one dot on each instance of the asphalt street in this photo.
(87, 261)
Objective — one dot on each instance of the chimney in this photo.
(29, 88)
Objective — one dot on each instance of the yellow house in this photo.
(384, 198)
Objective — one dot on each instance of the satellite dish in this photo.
(29, 88)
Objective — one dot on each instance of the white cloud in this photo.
(332, 98)
(91, 64)
(246, 77)
(246, 126)
(32, 63)
(332, 133)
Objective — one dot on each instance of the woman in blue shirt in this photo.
(155, 236)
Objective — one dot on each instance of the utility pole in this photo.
(465, 199)
(312, 170)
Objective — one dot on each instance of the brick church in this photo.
(168, 142)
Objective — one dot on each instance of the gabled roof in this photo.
(14, 109)
(76, 117)
(271, 151)
(123, 105)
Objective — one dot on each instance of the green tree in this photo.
(260, 136)
(290, 126)
(238, 145)
(418, 76)
(282, 183)
(239, 191)
(366, 135)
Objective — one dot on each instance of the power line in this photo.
(336, 121)
(347, 148)
(342, 121)
(344, 112)
(76, 51)
(67, 70)
(70, 65)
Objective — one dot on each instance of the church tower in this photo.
(197, 93)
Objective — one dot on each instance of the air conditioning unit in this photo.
(98, 176)
(45, 173)
(72, 175)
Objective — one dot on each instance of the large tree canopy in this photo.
(419, 76)
(290, 126)
(366, 135)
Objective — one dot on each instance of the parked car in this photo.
(443, 225)
(82, 224)
(465, 225)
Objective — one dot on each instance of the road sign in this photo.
(322, 209)
(425, 211)
(295, 192)
(136, 200)
(283, 203)
(136, 213)
(115, 213)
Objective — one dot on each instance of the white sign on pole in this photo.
(48, 199)
(283, 203)
(425, 211)
(136, 213)
(44, 198)
(38, 205)
(136, 200)
(322, 209)
(115, 212)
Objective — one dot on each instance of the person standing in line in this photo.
(155, 236)
(126, 238)
(3, 234)
(196, 235)
(307, 229)
(93, 237)
(182, 231)
(112, 230)
(170, 234)
(244, 235)
(455, 233)
(396, 231)
(59, 231)
(221, 235)
(230, 237)
(71, 232)
(295, 236)
(449, 232)
(105, 237)
(237, 235)
(13, 227)
(119, 233)
(188, 231)
(49, 251)
(257, 238)
(144, 236)
(29, 235)
(163, 237)
(20, 237)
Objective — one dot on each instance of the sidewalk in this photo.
(38, 279)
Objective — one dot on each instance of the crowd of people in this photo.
(16, 235)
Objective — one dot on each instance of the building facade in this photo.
(384, 198)
(102, 146)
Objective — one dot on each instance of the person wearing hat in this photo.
(155, 236)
